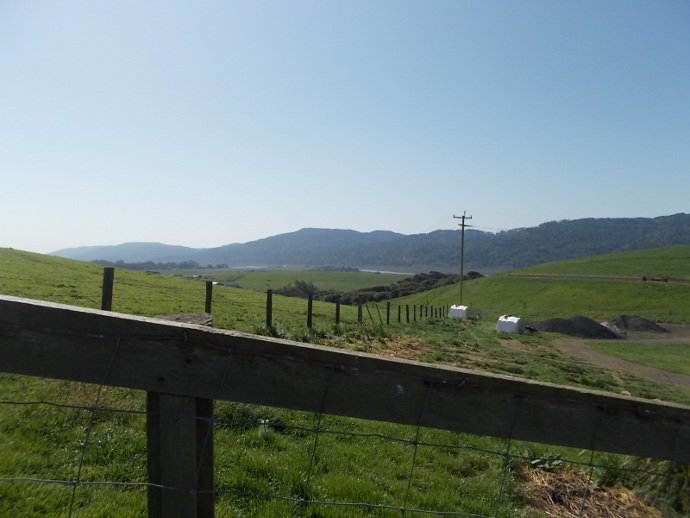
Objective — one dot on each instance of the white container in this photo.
(459, 312)
(508, 324)
(263, 428)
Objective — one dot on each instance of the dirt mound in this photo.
(579, 326)
(636, 324)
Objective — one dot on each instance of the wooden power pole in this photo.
(462, 247)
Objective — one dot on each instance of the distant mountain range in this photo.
(315, 247)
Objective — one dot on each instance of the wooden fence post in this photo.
(269, 309)
(179, 433)
(388, 313)
(359, 313)
(107, 295)
(209, 296)
(310, 304)
(205, 501)
(407, 313)
(399, 312)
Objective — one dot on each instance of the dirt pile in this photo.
(579, 326)
(626, 323)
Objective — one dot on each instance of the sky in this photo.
(204, 123)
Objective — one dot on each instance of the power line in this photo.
(462, 247)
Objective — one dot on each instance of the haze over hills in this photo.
(551, 241)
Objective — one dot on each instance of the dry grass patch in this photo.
(404, 347)
(565, 494)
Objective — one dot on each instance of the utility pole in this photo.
(462, 247)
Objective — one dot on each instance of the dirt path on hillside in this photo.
(677, 334)
(609, 278)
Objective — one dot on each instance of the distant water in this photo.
(383, 271)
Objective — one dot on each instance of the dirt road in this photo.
(677, 334)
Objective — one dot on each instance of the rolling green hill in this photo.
(671, 262)
(600, 287)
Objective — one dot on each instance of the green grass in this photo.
(355, 461)
(669, 357)
(662, 262)
(540, 299)
(46, 441)
(36, 276)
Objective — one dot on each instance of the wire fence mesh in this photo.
(80, 459)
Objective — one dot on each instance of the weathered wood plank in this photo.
(200, 319)
(205, 484)
(176, 455)
(179, 456)
(43, 339)
(179, 435)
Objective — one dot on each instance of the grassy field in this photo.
(671, 262)
(539, 299)
(356, 461)
(669, 357)
(262, 280)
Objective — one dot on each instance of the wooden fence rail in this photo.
(189, 366)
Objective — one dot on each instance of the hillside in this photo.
(551, 241)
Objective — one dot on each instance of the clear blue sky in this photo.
(203, 123)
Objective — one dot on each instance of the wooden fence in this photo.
(184, 368)
(420, 311)
(412, 313)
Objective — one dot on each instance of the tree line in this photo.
(418, 283)
(154, 266)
